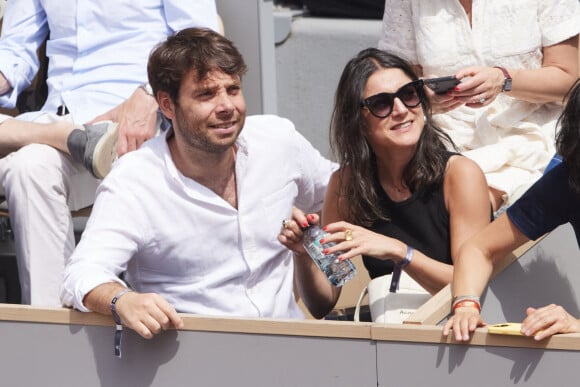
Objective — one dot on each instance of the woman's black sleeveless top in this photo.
(421, 221)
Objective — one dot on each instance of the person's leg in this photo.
(14, 134)
(93, 145)
(42, 185)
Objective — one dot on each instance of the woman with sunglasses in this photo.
(400, 197)
(515, 59)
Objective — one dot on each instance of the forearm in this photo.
(429, 273)
(99, 299)
(314, 289)
(551, 82)
(548, 84)
(472, 272)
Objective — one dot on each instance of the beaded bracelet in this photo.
(466, 297)
(463, 303)
(118, 323)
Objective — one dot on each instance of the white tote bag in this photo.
(392, 307)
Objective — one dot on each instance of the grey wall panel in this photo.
(308, 66)
(422, 365)
(37, 354)
(548, 273)
(250, 25)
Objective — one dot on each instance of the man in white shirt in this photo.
(97, 54)
(192, 217)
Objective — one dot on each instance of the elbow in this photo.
(320, 312)
(319, 308)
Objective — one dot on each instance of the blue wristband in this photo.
(408, 257)
(396, 277)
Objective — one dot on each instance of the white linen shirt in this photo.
(177, 238)
(511, 140)
(97, 51)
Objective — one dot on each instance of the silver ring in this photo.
(285, 223)
(482, 100)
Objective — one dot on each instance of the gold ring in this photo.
(348, 234)
(285, 223)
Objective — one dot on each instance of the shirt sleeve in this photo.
(111, 238)
(24, 29)
(398, 35)
(315, 172)
(559, 20)
(199, 13)
(545, 206)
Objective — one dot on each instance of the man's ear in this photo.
(166, 104)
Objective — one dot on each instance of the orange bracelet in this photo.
(467, 303)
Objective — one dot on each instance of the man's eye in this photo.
(205, 94)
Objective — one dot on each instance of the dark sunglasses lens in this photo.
(380, 104)
(409, 95)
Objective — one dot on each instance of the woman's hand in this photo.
(354, 240)
(479, 85)
(463, 322)
(291, 232)
(549, 320)
(442, 103)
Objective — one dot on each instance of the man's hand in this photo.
(136, 118)
(5, 86)
(147, 313)
(547, 321)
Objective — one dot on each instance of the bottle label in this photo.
(337, 272)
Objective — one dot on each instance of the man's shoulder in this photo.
(268, 121)
(145, 158)
(270, 130)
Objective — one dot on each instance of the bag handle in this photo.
(362, 295)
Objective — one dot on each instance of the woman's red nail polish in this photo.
(325, 251)
(305, 224)
(324, 228)
(456, 88)
(311, 217)
(321, 241)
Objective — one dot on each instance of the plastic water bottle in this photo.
(337, 272)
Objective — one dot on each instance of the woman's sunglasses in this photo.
(381, 105)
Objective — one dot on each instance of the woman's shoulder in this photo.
(339, 178)
(463, 175)
(459, 166)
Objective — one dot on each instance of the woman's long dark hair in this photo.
(568, 138)
(352, 150)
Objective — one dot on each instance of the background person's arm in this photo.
(474, 267)
(550, 83)
(24, 30)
